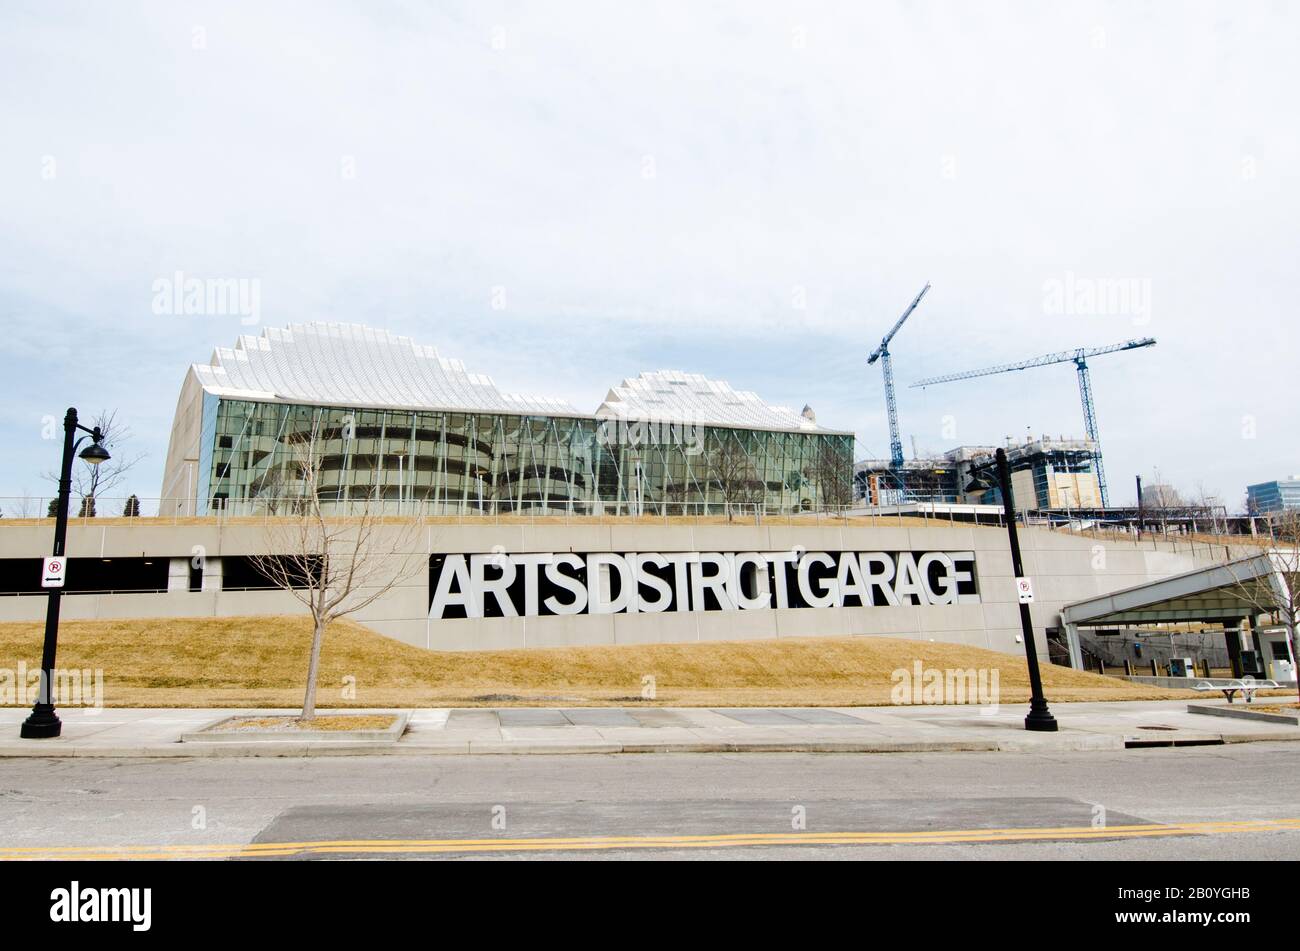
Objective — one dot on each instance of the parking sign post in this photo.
(52, 572)
(1039, 718)
(44, 723)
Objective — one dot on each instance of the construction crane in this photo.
(882, 354)
(1079, 358)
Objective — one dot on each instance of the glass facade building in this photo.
(383, 420)
(1278, 496)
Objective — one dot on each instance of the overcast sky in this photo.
(564, 194)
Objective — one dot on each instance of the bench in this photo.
(1246, 685)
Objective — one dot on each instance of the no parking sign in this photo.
(52, 570)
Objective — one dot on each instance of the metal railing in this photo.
(27, 510)
(30, 510)
(1215, 546)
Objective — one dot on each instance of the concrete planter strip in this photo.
(213, 733)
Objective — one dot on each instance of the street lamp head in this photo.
(95, 454)
(981, 477)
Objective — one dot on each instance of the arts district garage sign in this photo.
(541, 584)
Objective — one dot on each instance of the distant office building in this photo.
(1277, 496)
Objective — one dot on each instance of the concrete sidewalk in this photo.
(637, 729)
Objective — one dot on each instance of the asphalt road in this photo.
(1201, 802)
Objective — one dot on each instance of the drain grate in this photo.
(1138, 741)
(1167, 744)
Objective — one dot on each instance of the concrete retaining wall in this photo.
(1065, 568)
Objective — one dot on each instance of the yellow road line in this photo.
(1243, 824)
(593, 843)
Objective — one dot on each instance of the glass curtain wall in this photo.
(437, 463)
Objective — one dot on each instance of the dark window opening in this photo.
(242, 573)
(87, 575)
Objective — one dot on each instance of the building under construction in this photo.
(1046, 473)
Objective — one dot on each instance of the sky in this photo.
(564, 194)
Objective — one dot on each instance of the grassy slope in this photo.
(261, 661)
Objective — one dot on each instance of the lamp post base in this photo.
(43, 724)
(1041, 721)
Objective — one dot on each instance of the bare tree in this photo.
(334, 565)
(732, 473)
(1210, 503)
(832, 473)
(274, 488)
(1160, 501)
(24, 506)
(1279, 593)
(90, 481)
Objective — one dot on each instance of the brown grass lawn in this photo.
(261, 661)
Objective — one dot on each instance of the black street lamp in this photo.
(1040, 719)
(44, 723)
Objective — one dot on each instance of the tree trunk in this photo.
(313, 671)
(1295, 654)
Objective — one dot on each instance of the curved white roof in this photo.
(356, 366)
(353, 365)
(671, 396)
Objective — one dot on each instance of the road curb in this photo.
(1243, 712)
(510, 748)
(1290, 737)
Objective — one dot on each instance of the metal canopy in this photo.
(1208, 594)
